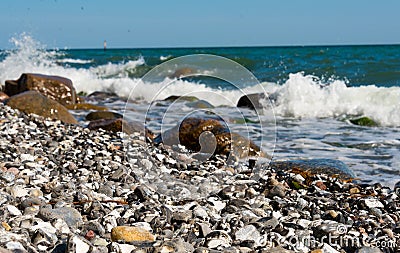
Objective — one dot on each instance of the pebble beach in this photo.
(66, 188)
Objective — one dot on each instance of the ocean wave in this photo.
(301, 96)
(74, 61)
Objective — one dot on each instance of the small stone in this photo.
(70, 215)
(321, 185)
(218, 238)
(367, 249)
(13, 210)
(78, 244)
(184, 215)
(354, 190)
(99, 242)
(333, 213)
(247, 233)
(328, 249)
(200, 212)
(277, 190)
(36, 193)
(373, 203)
(15, 247)
(131, 234)
(27, 157)
(18, 191)
(6, 226)
(175, 245)
(90, 235)
(7, 176)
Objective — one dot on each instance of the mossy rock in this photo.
(364, 121)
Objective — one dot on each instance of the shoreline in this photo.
(65, 187)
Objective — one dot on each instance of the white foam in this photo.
(74, 61)
(304, 96)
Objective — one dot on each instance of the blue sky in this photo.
(127, 23)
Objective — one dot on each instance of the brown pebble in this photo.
(131, 234)
(354, 190)
(320, 185)
(90, 235)
(6, 226)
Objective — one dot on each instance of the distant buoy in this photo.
(105, 45)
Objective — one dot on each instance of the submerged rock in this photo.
(364, 121)
(56, 88)
(330, 167)
(182, 98)
(34, 102)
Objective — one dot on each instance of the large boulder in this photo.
(56, 88)
(35, 102)
(208, 135)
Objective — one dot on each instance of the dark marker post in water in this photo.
(105, 45)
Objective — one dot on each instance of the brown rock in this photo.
(131, 234)
(85, 106)
(207, 134)
(34, 102)
(56, 88)
(3, 96)
(119, 125)
(103, 115)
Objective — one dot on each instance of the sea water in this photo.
(314, 92)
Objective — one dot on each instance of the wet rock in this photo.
(131, 234)
(34, 102)
(251, 101)
(329, 167)
(181, 98)
(364, 121)
(103, 115)
(102, 95)
(200, 104)
(208, 135)
(86, 107)
(56, 88)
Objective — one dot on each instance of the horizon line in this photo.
(215, 47)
